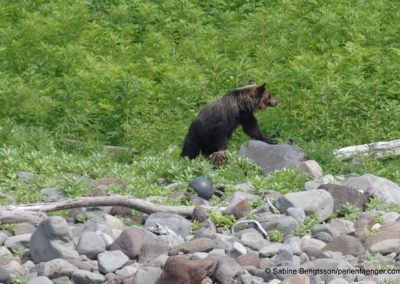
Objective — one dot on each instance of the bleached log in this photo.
(20, 216)
(378, 150)
(130, 202)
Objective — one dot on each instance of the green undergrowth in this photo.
(72, 170)
(135, 74)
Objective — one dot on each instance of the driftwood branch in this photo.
(378, 150)
(26, 210)
(19, 216)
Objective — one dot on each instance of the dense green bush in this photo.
(136, 72)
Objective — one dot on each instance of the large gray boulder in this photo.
(272, 157)
(91, 244)
(376, 186)
(175, 222)
(52, 239)
(109, 261)
(319, 202)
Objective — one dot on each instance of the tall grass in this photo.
(136, 72)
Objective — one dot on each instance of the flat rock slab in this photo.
(318, 201)
(343, 194)
(376, 186)
(345, 244)
(271, 158)
(175, 222)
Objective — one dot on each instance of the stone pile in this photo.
(168, 248)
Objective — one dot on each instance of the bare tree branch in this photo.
(146, 207)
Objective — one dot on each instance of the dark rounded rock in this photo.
(202, 186)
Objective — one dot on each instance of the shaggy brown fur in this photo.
(214, 125)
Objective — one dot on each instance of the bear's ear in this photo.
(261, 89)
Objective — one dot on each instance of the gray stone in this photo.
(110, 261)
(283, 256)
(326, 228)
(18, 242)
(272, 157)
(62, 280)
(3, 238)
(342, 227)
(293, 245)
(175, 222)
(5, 276)
(346, 245)
(238, 196)
(25, 175)
(297, 279)
(323, 236)
(237, 250)
(311, 242)
(390, 217)
(23, 228)
(343, 194)
(152, 248)
(332, 264)
(253, 240)
(250, 279)
(242, 186)
(376, 186)
(386, 246)
(86, 277)
(148, 275)
(200, 213)
(311, 168)
(128, 271)
(319, 202)
(270, 221)
(270, 249)
(4, 252)
(90, 244)
(314, 184)
(297, 213)
(52, 194)
(339, 281)
(40, 280)
(226, 270)
(159, 261)
(55, 268)
(85, 264)
(12, 265)
(52, 239)
(195, 245)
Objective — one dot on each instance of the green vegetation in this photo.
(373, 203)
(306, 227)
(224, 221)
(135, 73)
(350, 212)
(276, 236)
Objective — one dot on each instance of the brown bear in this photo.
(213, 127)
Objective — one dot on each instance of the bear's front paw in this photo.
(272, 141)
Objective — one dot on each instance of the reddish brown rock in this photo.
(345, 244)
(180, 270)
(389, 231)
(130, 242)
(109, 182)
(195, 245)
(249, 260)
(239, 209)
